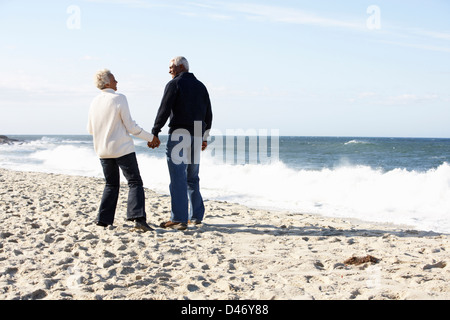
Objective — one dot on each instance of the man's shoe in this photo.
(194, 222)
(174, 225)
(142, 225)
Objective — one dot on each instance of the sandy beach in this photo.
(51, 249)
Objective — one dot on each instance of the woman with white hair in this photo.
(110, 123)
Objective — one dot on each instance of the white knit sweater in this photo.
(110, 123)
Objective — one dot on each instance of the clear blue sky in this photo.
(309, 68)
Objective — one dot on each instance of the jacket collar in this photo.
(184, 74)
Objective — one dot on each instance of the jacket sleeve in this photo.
(208, 118)
(167, 103)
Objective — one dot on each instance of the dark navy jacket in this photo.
(185, 100)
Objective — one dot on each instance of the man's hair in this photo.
(181, 61)
(101, 78)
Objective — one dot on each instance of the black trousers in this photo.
(136, 197)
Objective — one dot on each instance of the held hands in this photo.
(154, 143)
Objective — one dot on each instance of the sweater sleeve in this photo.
(131, 125)
(89, 125)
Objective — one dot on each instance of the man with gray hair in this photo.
(110, 123)
(186, 101)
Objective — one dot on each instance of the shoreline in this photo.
(51, 249)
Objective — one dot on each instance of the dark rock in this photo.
(6, 140)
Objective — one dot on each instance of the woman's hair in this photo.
(101, 78)
(181, 60)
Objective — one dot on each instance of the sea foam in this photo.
(418, 199)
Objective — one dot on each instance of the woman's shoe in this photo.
(101, 224)
(142, 225)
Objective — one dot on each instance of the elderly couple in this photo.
(186, 102)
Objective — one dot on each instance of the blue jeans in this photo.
(183, 159)
(136, 197)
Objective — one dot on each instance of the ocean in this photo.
(402, 181)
